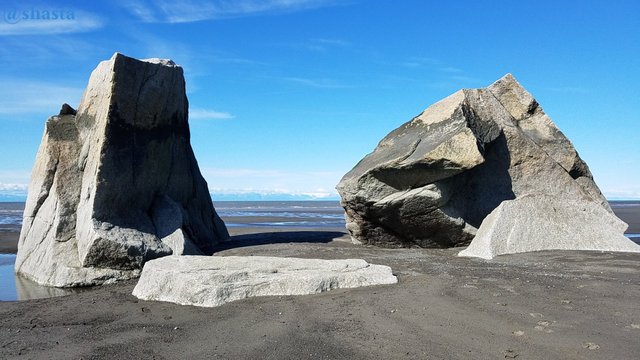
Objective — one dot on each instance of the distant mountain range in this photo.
(21, 196)
(220, 196)
(272, 196)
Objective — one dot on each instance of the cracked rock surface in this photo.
(215, 280)
(432, 181)
(116, 183)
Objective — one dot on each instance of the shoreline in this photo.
(243, 225)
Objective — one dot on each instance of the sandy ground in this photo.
(548, 305)
(9, 241)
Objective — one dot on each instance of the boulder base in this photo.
(215, 280)
(542, 222)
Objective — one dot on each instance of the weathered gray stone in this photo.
(215, 280)
(432, 181)
(116, 184)
(544, 222)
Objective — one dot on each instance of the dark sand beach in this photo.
(547, 305)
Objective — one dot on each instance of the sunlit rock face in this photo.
(216, 280)
(432, 181)
(116, 183)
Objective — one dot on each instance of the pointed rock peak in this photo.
(513, 96)
(67, 110)
(508, 83)
(508, 78)
(116, 55)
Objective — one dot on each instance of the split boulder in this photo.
(434, 181)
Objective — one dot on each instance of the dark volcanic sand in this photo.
(569, 305)
(547, 305)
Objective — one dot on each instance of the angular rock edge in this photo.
(432, 181)
(116, 182)
(542, 222)
(210, 281)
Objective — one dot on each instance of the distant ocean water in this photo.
(311, 214)
(10, 215)
(238, 213)
(302, 214)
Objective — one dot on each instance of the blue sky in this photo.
(287, 95)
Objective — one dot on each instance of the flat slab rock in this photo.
(210, 281)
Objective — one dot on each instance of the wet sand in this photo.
(547, 305)
(630, 215)
(9, 241)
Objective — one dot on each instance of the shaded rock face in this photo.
(116, 183)
(215, 280)
(432, 181)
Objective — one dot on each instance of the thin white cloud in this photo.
(19, 97)
(465, 79)
(232, 173)
(414, 62)
(14, 188)
(203, 114)
(35, 21)
(571, 90)
(450, 69)
(323, 45)
(317, 83)
(42, 51)
(184, 11)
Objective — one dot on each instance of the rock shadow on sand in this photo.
(277, 237)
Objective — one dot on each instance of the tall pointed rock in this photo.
(117, 184)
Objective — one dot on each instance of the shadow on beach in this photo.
(279, 237)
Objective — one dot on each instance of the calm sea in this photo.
(241, 214)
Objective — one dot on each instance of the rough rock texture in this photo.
(215, 280)
(116, 184)
(432, 181)
(543, 222)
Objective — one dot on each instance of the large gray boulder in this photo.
(117, 184)
(215, 280)
(542, 222)
(432, 181)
